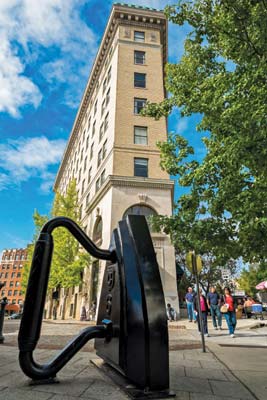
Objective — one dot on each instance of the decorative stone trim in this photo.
(128, 181)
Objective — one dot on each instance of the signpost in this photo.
(194, 264)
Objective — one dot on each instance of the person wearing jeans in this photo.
(203, 312)
(214, 303)
(189, 298)
(230, 315)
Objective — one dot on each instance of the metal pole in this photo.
(3, 304)
(194, 268)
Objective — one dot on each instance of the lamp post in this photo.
(3, 304)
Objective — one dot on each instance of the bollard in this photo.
(3, 304)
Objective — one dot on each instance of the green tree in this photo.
(252, 276)
(39, 221)
(68, 261)
(221, 76)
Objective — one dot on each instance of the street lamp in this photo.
(3, 304)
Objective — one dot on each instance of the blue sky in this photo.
(46, 52)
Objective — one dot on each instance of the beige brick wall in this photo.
(125, 149)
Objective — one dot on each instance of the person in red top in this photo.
(230, 316)
(203, 312)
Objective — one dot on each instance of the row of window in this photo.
(7, 266)
(11, 283)
(102, 130)
(15, 257)
(9, 293)
(13, 275)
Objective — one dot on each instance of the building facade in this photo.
(11, 270)
(112, 150)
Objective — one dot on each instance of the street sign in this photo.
(189, 262)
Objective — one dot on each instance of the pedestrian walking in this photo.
(214, 304)
(189, 298)
(203, 312)
(228, 309)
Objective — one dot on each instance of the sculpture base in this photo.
(127, 387)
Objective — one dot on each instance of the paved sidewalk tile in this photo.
(231, 389)
(67, 386)
(206, 373)
(201, 396)
(188, 384)
(17, 394)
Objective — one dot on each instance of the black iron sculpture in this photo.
(131, 332)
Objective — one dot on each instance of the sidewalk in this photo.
(226, 371)
(194, 376)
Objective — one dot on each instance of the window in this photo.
(139, 210)
(104, 150)
(80, 174)
(83, 135)
(95, 108)
(98, 228)
(106, 122)
(104, 85)
(85, 163)
(107, 97)
(92, 151)
(83, 186)
(17, 284)
(139, 57)
(13, 274)
(140, 135)
(81, 155)
(139, 36)
(102, 177)
(138, 105)
(11, 284)
(16, 292)
(87, 199)
(99, 158)
(93, 131)
(141, 167)
(101, 131)
(103, 107)
(89, 123)
(6, 275)
(109, 75)
(13, 301)
(139, 80)
(87, 143)
(97, 185)
(89, 174)
(17, 257)
(9, 293)
(18, 274)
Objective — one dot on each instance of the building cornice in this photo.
(128, 181)
(120, 14)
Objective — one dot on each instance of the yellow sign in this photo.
(190, 259)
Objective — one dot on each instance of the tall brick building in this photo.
(11, 269)
(112, 150)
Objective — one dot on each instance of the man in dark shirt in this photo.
(214, 303)
(189, 298)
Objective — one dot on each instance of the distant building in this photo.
(11, 269)
(112, 151)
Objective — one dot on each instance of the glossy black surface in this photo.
(134, 301)
(31, 321)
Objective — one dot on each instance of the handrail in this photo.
(31, 321)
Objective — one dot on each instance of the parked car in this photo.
(15, 316)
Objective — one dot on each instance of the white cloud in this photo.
(23, 158)
(26, 27)
(183, 125)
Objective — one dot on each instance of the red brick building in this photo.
(11, 269)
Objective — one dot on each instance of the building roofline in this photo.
(119, 11)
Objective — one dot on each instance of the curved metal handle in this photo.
(31, 322)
